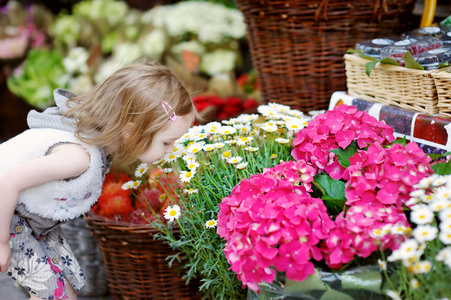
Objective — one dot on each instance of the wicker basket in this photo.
(297, 46)
(135, 262)
(392, 85)
(443, 84)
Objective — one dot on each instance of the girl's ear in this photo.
(126, 131)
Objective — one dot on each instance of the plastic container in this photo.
(446, 39)
(430, 31)
(373, 47)
(413, 45)
(431, 59)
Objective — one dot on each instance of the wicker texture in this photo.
(297, 46)
(392, 85)
(443, 84)
(135, 262)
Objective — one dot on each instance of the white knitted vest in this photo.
(58, 200)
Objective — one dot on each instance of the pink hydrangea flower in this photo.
(271, 221)
(338, 128)
(379, 181)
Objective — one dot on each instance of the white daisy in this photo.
(269, 128)
(219, 145)
(382, 264)
(425, 233)
(190, 191)
(211, 223)
(393, 295)
(171, 157)
(398, 229)
(141, 170)
(196, 147)
(445, 214)
(209, 147)
(245, 118)
(172, 212)
(132, 184)
(405, 251)
(241, 166)
(445, 237)
(445, 225)
(226, 155)
(414, 283)
(200, 136)
(439, 204)
(186, 176)
(167, 170)
(234, 160)
(443, 192)
(213, 127)
(421, 214)
(251, 149)
(443, 254)
(192, 164)
(244, 140)
(227, 130)
(422, 267)
(189, 156)
(282, 140)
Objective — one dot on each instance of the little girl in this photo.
(54, 171)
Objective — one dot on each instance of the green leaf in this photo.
(344, 154)
(333, 191)
(442, 168)
(402, 141)
(369, 66)
(435, 156)
(410, 62)
(389, 61)
(443, 65)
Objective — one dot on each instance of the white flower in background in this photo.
(229, 122)
(234, 160)
(212, 127)
(126, 53)
(425, 233)
(393, 295)
(226, 130)
(190, 46)
(186, 176)
(132, 184)
(398, 229)
(242, 166)
(211, 223)
(252, 149)
(382, 264)
(218, 62)
(439, 204)
(445, 237)
(414, 283)
(219, 145)
(295, 113)
(66, 30)
(443, 193)
(282, 140)
(106, 70)
(425, 182)
(421, 214)
(141, 170)
(445, 214)
(445, 225)
(76, 61)
(407, 250)
(190, 191)
(209, 147)
(80, 84)
(154, 43)
(196, 147)
(172, 213)
(189, 156)
(192, 164)
(243, 128)
(269, 128)
(422, 267)
(246, 118)
(200, 136)
(316, 112)
(241, 141)
(167, 170)
(443, 254)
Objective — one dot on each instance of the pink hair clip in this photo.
(167, 108)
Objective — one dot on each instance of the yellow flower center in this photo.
(142, 170)
(226, 154)
(211, 223)
(172, 213)
(162, 196)
(172, 156)
(294, 126)
(189, 174)
(191, 166)
(195, 150)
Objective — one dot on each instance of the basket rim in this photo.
(91, 216)
(356, 57)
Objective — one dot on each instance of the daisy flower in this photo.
(172, 212)
(192, 164)
(252, 149)
(171, 157)
(439, 204)
(407, 250)
(200, 136)
(393, 295)
(190, 191)
(445, 237)
(424, 233)
(189, 156)
(422, 267)
(245, 118)
(443, 254)
(421, 214)
(445, 214)
(241, 166)
(382, 264)
(196, 147)
(282, 141)
(414, 283)
(212, 127)
(234, 160)
(244, 140)
(226, 130)
(211, 223)
(226, 155)
(167, 170)
(209, 147)
(186, 176)
(445, 225)
(141, 170)
(269, 128)
(219, 145)
(132, 184)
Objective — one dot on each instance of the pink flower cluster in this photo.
(338, 128)
(379, 182)
(270, 223)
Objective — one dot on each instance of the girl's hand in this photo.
(5, 257)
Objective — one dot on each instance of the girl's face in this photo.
(163, 141)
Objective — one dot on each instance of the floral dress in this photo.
(41, 256)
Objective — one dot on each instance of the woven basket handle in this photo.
(428, 13)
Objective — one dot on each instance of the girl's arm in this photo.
(64, 161)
